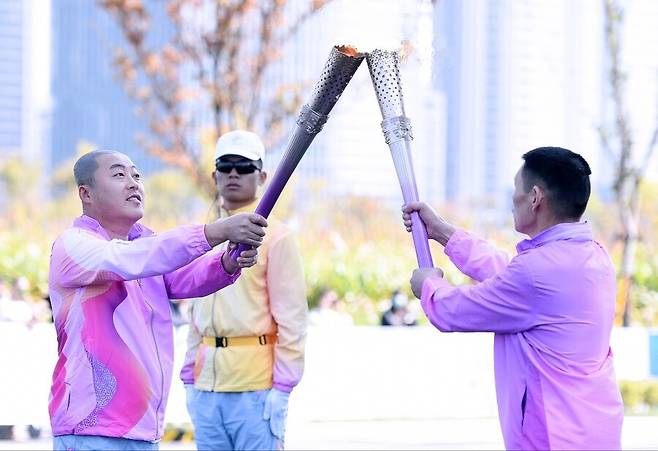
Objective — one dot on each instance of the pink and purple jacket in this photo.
(110, 302)
(552, 309)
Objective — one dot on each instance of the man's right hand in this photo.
(244, 228)
(437, 228)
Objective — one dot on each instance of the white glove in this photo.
(276, 410)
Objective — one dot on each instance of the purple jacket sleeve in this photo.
(501, 303)
(474, 256)
(82, 258)
(202, 277)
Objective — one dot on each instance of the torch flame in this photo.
(348, 50)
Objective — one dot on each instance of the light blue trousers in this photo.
(230, 421)
(96, 442)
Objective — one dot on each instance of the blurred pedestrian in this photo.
(13, 305)
(329, 311)
(398, 314)
(551, 308)
(110, 282)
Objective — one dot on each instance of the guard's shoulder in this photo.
(277, 230)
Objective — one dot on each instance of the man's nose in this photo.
(133, 183)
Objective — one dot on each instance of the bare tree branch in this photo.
(213, 65)
(649, 152)
(605, 141)
(628, 174)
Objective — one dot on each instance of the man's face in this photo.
(524, 215)
(118, 193)
(238, 189)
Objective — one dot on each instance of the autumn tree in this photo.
(629, 165)
(210, 73)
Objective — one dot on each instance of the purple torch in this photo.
(338, 71)
(385, 75)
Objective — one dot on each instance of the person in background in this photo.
(329, 311)
(246, 343)
(398, 313)
(15, 305)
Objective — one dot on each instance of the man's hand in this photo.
(419, 276)
(244, 228)
(246, 259)
(276, 410)
(437, 228)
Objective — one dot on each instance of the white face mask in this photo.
(400, 300)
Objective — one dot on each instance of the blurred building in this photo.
(516, 75)
(487, 80)
(639, 42)
(90, 106)
(24, 100)
(350, 155)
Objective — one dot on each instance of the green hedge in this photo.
(640, 396)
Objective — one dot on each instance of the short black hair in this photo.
(84, 168)
(563, 174)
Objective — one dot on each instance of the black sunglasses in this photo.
(241, 167)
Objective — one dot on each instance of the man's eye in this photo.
(118, 174)
(137, 176)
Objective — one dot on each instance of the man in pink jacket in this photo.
(110, 283)
(551, 308)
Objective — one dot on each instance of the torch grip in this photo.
(235, 253)
(401, 153)
(421, 243)
(264, 208)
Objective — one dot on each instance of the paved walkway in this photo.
(474, 433)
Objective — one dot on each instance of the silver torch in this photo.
(385, 75)
(338, 71)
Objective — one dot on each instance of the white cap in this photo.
(242, 143)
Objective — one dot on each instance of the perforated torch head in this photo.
(385, 75)
(338, 71)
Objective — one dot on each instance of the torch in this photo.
(385, 75)
(338, 71)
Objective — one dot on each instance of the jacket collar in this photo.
(223, 212)
(89, 223)
(572, 231)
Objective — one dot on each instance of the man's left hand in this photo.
(276, 410)
(419, 276)
(246, 259)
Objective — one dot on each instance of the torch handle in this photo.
(421, 241)
(400, 151)
(385, 75)
(299, 142)
(264, 212)
(338, 71)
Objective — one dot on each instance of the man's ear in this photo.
(215, 176)
(85, 194)
(538, 196)
(262, 176)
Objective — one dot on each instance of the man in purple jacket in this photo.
(551, 308)
(110, 283)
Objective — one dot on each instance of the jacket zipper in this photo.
(157, 353)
